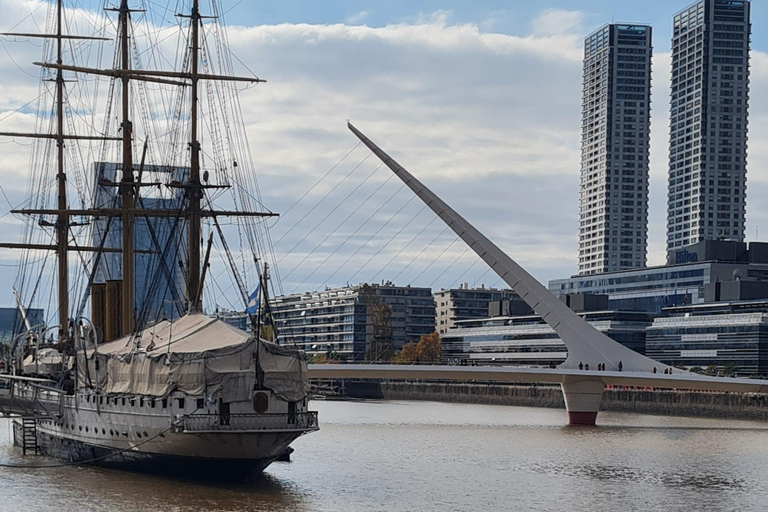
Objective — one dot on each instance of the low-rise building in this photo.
(529, 341)
(682, 282)
(344, 321)
(464, 303)
(730, 336)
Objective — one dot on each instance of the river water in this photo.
(426, 456)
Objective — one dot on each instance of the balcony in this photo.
(240, 423)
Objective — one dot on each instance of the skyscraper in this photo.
(708, 123)
(615, 140)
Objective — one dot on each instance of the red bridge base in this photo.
(582, 418)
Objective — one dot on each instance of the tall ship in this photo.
(140, 170)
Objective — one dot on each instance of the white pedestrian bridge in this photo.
(587, 347)
(583, 389)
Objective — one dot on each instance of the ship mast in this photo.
(195, 191)
(126, 188)
(62, 221)
(61, 246)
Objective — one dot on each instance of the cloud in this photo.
(558, 21)
(355, 19)
(489, 121)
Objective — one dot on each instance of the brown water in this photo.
(424, 456)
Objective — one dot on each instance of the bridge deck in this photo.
(684, 380)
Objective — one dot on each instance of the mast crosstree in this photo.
(127, 186)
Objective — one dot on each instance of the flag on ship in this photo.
(253, 301)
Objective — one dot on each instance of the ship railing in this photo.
(250, 422)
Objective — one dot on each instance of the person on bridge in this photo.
(621, 366)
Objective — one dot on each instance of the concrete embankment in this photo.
(660, 402)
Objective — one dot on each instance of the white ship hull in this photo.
(173, 436)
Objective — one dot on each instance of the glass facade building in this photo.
(159, 288)
(11, 323)
(722, 334)
(529, 341)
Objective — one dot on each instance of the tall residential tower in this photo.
(708, 124)
(615, 140)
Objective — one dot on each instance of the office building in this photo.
(349, 321)
(708, 123)
(654, 288)
(12, 323)
(159, 288)
(529, 341)
(466, 303)
(732, 337)
(615, 141)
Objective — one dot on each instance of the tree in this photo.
(267, 332)
(427, 350)
(710, 370)
(730, 369)
(327, 358)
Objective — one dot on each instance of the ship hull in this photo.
(227, 467)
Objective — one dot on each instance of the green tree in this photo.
(427, 350)
(730, 369)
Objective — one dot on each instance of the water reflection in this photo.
(76, 488)
(421, 456)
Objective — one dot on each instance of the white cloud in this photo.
(553, 22)
(354, 19)
(490, 121)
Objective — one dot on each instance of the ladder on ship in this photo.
(29, 436)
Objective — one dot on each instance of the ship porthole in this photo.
(260, 402)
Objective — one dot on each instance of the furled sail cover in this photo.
(285, 371)
(47, 362)
(197, 355)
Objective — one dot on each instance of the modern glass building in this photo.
(615, 143)
(11, 323)
(159, 289)
(721, 334)
(654, 288)
(529, 341)
(708, 123)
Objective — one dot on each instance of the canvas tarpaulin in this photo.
(197, 355)
(284, 370)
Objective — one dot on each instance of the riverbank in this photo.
(640, 401)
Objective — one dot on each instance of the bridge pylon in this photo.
(582, 399)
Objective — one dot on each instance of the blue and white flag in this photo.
(253, 301)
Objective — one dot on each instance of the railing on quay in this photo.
(196, 423)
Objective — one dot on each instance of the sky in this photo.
(480, 101)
